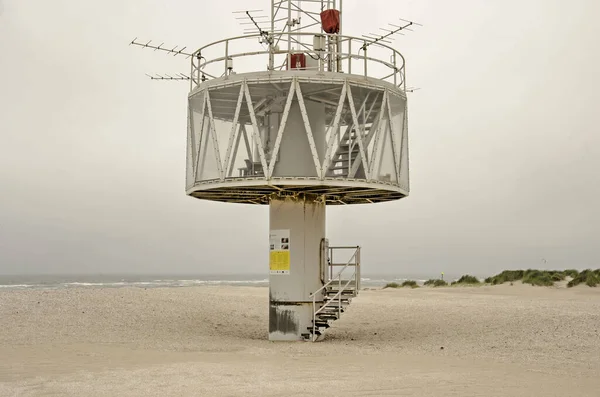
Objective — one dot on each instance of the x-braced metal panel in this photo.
(372, 132)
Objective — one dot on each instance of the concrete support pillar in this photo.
(296, 228)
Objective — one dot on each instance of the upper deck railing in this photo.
(327, 53)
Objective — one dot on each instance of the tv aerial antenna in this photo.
(178, 76)
(253, 24)
(387, 33)
(174, 51)
(387, 36)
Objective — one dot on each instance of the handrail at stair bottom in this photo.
(338, 294)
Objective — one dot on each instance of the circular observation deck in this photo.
(306, 126)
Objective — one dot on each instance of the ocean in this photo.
(18, 282)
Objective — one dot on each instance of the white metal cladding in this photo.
(340, 137)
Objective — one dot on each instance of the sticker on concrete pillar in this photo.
(279, 254)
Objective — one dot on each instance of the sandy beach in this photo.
(212, 341)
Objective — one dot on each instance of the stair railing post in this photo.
(340, 295)
(331, 264)
(358, 276)
(314, 317)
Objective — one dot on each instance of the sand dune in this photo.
(211, 341)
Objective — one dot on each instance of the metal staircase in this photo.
(345, 155)
(343, 161)
(333, 298)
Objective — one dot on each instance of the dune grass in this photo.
(410, 283)
(436, 283)
(539, 278)
(467, 280)
(505, 276)
(589, 277)
(407, 283)
(571, 273)
(532, 276)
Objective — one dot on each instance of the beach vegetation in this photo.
(407, 283)
(505, 276)
(589, 277)
(571, 273)
(557, 276)
(436, 283)
(410, 283)
(467, 280)
(530, 276)
(539, 278)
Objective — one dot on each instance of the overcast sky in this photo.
(504, 141)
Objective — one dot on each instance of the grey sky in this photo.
(504, 142)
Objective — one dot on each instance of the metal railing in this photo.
(351, 284)
(341, 54)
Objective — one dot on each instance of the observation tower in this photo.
(297, 116)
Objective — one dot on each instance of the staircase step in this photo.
(332, 301)
(330, 319)
(332, 307)
(345, 294)
(344, 291)
(344, 152)
(345, 147)
(335, 303)
(308, 335)
(343, 157)
(328, 316)
(331, 312)
(336, 287)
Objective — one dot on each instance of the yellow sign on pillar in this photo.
(280, 262)
(279, 254)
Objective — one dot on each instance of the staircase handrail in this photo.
(336, 277)
(338, 295)
(334, 296)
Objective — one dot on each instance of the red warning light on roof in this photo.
(330, 20)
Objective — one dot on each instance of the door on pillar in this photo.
(324, 262)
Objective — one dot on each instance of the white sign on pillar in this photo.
(279, 254)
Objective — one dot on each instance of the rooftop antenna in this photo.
(259, 24)
(388, 33)
(172, 51)
(178, 76)
(175, 51)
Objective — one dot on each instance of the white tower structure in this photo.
(298, 116)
